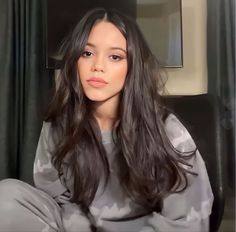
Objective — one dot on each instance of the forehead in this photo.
(106, 33)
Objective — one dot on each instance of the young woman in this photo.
(110, 157)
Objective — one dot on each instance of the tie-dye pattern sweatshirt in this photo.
(112, 209)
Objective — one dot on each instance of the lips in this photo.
(97, 82)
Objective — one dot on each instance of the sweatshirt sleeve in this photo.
(45, 174)
(185, 211)
(46, 178)
(188, 210)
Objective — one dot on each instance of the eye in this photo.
(116, 57)
(86, 54)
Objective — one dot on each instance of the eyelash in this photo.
(113, 57)
(116, 57)
(86, 54)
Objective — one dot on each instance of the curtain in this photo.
(221, 70)
(24, 85)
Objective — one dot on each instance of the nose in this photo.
(97, 67)
(98, 63)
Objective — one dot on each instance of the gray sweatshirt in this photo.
(112, 209)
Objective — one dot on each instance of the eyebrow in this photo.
(112, 48)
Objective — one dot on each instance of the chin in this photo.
(93, 97)
(102, 97)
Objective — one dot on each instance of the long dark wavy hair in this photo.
(149, 167)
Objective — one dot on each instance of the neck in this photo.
(106, 114)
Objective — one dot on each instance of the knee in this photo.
(10, 189)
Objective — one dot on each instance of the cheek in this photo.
(121, 75)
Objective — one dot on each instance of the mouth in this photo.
(96, 82)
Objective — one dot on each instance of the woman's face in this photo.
(102, 67)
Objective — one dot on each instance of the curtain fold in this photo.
(221, 70)
(25, 84)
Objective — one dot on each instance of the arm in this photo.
(182, 212)
(46, 178)
(186, 211)
(190, 209)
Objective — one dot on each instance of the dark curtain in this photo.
(24, 85)
(221, 71)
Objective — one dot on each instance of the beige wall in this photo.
(192, 78)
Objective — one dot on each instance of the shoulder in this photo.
(46, 130)
(46, 127)
(49, 135)
(178, 135)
